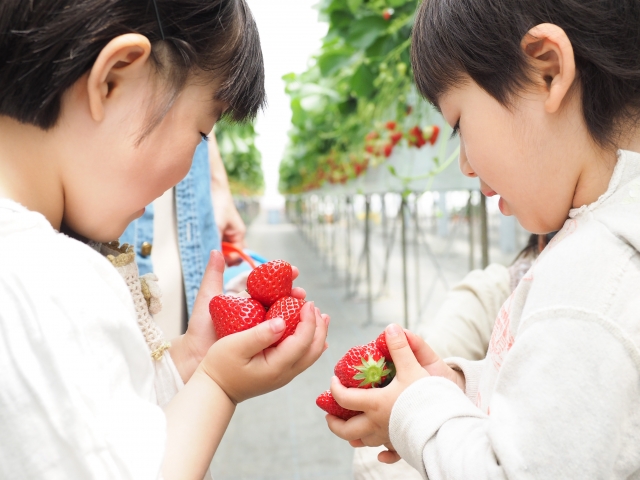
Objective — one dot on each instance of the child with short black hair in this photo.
(102, 104)
(545, 96)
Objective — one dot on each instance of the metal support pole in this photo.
(484, 223)
(367, 252)
(349, 207)
(405, 281)
(334, 225)
(416, 246)
(385, 234)
(472, 255)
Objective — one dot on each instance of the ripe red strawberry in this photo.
(372, 135)
(431, 133)
(287, 308)
(391, 125)
(395, 138)
(381, 343)
(327, 403)
(363, 367)
(387, 13)
(436, 133)
(270, 282)
(234, 314)
(388, 150)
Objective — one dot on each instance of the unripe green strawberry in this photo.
(327, 403)
(234, 314)
(270, 282)
(287, 308)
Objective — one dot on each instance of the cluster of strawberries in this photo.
(383, 145)
(364, 366)
(270, 287)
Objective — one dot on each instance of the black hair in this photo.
(47, 45)
(481, 39)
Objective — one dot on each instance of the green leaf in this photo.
(381, 47)
(334, 60)
(366, 30)
(362, 81)
(354, 5)
(392, 170)
(340, 19)
(313, 103)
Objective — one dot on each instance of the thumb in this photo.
(400, 350)
(253, 341)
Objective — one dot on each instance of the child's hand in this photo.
(413, 360)
(188, 350)
(244, 365)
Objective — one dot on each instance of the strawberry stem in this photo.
(372, 372)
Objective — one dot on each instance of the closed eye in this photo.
(456, 130)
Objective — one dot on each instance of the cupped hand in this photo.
(245, 365)
(413, 359)
(372, 427)
(188, 350)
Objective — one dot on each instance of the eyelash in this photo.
(456, 130)
(204, 137)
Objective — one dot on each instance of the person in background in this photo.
(174, 237)
(461, 328)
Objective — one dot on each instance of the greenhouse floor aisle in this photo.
(283, 435)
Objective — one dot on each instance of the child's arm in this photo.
(236, 367)
(564, 406)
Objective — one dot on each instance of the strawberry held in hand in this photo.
(270, 282)
(327, 403)
(235, 314)
(364, 367)
(287, 308)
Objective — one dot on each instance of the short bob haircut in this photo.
(46, 46)
(481, 39)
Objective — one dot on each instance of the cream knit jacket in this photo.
(558, 395)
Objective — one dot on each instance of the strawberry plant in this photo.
(359, 86)
(241, 158)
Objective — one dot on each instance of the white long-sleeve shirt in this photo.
(558, 395)
(79, 391)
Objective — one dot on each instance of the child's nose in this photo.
(465, 168)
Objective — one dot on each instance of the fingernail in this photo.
(277, 325)
(393, 330)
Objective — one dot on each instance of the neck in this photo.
(598, 169)
(29, 169)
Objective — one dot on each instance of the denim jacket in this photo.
(197, 230)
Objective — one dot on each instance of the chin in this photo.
(540, 226)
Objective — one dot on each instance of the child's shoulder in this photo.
(49, 267)
(588, 267)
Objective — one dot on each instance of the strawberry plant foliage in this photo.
(360, 80)
(241, 158)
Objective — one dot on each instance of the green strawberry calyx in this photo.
(371, 371)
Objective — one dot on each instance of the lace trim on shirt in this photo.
(144, 291)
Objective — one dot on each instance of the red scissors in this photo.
(228, 248)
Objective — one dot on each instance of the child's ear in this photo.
(551, 55)
(121, 59)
